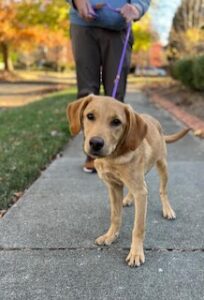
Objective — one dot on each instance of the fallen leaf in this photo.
(2, 213)
(18, 194)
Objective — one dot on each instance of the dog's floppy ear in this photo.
(136, 129)
(75, 111)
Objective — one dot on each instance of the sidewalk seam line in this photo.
(2, 249)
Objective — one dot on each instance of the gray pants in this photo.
(97, 53)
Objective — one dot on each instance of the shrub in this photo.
(184, 72)
(190, 72)
(198, 73)
(174, 70)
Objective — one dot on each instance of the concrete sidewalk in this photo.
(47, 246)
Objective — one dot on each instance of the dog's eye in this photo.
(115, 122)
(90, 117)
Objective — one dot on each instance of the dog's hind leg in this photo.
(128, 199)
(167, 210)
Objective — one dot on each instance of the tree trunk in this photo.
(8, 66)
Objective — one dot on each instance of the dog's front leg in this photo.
(116, 197)
(136, 254)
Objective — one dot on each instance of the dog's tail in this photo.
(176, 136)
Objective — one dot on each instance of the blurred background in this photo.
(34, 35)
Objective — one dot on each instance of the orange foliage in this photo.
(156, 55)
(13, 33)
(18, 34)
(7, 23)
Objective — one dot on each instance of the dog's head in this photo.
(109, 126)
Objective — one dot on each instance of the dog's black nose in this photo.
(96, 143)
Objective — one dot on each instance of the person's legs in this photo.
(87, 59)
(111, 44)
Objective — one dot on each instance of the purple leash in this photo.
(120, 66)
(117, 79)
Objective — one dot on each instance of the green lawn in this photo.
(30, 137)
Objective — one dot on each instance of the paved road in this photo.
(47, 238)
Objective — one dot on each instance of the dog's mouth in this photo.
(99, 154)
(95, 154)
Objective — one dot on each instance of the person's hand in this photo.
(130, 12)
(85, 10)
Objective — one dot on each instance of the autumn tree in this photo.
(144, 37)
(187, 34)
(190, 14)
(8, 30)
(26, 24)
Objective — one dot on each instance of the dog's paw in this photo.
(135, 259)
(127, 201)
(106, 239)
(169, 213)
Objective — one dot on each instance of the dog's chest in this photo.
(108, 173)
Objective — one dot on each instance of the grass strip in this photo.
(30, 137)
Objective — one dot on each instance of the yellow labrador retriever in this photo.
(125, 145)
